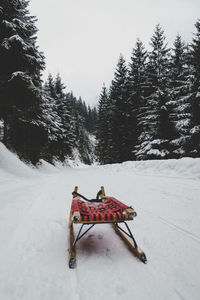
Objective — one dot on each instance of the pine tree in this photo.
(63, 133)
(194, 143)
(103, 127)
(117, 141)
(156, 142)
(180, 95)
(49, 86)
(52, 121)
(20, 83)
(91, 119)
(82, 141)
(136, 101)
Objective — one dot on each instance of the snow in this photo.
(34, 212)
(1, 130)
(195, 129)
(8, 42)
(197, 94)
(158, 153)
(46, 167)
(8, 25)
(17, 74)
(183, 123)
(9, 162)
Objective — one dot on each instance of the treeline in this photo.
(69, 122)
(36, 120)
(152, 108)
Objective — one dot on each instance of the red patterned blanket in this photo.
(110, 209)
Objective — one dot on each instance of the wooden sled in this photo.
(101, 211)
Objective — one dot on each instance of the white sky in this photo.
(82, 39)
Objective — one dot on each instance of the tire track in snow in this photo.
(173, 225)
(178, 293)
(179, 228)
(168, 176)
(74, 285)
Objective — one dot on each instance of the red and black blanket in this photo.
(110, 209)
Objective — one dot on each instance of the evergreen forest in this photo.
(150, 111)
(152, 108)
(38, 120)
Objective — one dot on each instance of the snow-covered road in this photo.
(34, 213)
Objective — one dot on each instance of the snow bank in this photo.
(75, 161)
(10, 163)
(46, 167)
(187, 167)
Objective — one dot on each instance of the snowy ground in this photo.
(34, 211)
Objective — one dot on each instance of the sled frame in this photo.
(126, 236)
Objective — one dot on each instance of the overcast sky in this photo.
(82, 39)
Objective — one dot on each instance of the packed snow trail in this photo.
(34, 213)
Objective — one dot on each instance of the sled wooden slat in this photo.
(129, 242)
(72, 251)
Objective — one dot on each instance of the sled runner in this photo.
(101, 210)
